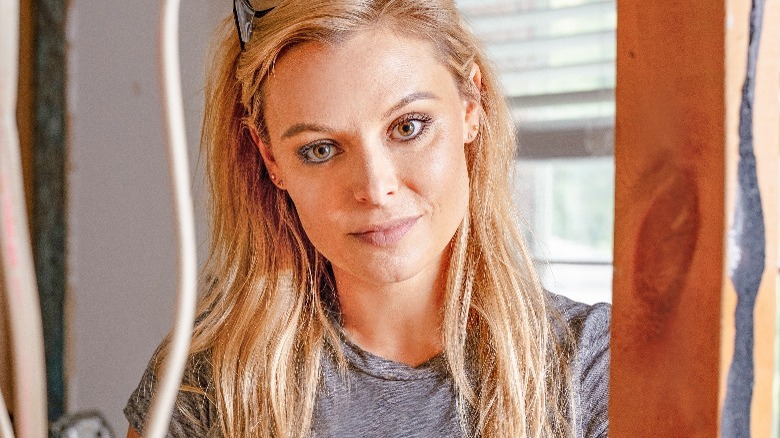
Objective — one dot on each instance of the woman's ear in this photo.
(472, 104)
(268, 156)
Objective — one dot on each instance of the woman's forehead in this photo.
(367, 73)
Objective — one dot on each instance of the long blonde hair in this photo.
(268, 291)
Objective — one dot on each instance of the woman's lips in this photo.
(386, 234)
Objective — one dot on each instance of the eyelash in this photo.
(304, 152)
(423, 118)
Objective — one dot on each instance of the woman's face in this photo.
(367, 136)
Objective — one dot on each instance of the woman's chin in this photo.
(390, 270)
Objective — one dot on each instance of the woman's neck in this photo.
(398, 321)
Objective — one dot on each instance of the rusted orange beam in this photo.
(678, 86)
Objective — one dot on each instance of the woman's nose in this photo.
(375, 176)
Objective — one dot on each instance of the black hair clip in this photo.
(244, 15)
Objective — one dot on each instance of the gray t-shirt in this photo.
(382, 398)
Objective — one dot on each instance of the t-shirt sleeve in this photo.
(592, 370)
(193, 413)
(589, 325)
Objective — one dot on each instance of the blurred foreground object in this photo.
(186, 263)
(82, 425)
(15, 250)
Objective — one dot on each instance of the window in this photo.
(556, 60)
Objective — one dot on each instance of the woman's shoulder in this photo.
(584, 320)
(574, 310)
(194, 413)
(589, 327)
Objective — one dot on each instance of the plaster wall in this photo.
(121, 261)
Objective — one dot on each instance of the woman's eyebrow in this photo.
(304, 127)
(420, 95)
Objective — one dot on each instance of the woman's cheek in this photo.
(443, 169)
(314, 213)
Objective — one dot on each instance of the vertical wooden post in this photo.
(680, 71)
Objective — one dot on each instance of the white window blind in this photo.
(556, 59)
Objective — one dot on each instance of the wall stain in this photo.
(667, 242)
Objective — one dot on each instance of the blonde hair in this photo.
(265, 323)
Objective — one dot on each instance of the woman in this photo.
(367, 276)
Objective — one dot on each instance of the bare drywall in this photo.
(121, 247)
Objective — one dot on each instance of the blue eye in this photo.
(318, 152)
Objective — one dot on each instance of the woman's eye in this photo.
(318, 153)
(407, 129)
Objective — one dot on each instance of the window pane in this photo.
(556, 58)
(569, 205)
(556, 61)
